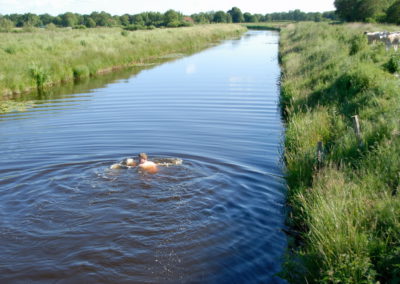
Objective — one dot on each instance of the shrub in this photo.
(79, 27)
(80, 72)
(393, 65)
(358, 43)
(10, 50)
(134, 27)
(39, 74)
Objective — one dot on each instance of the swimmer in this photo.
(146, 165)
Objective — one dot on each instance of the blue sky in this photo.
(119, 7)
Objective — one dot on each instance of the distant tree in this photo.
(172, 18)
(331, 15)
(6, 25)
(138, 20)
(90, 23)
(362, 10)
(259, 17)
(46, 19)
(57, 20)
(153, 19)
(249, 18)
(201, 18)
(102, 19)
(346, 9)
(69, 19)
(220, 17)
(124, 20)
(236, 14)
(316, 17)
(31, 20)
(393, 13)
(372, 10)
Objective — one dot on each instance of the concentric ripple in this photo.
(66, 217)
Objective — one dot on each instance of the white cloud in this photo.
(190, 69)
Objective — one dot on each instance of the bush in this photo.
(79, 27)
(134, 27)
(6, 25)
(10, 50)
(51, 27)
(393, 65)
(80, 72)
(39, 74)
(358, 43)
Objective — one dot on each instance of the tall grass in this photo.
(345, 215)
(46, 57)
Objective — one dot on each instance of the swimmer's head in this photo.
(142, 156)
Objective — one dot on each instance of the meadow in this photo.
(344, 209)
(44, 57)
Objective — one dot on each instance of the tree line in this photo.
(149, 20)
(373, 11)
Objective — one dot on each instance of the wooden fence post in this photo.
(356, 124)
(320, 154)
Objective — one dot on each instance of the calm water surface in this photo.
(65, 217)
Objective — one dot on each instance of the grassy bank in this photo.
(344, 211)
(44, 58)
(268, 26)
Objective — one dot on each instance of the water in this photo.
(65, 217)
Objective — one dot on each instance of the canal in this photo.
(216, 218)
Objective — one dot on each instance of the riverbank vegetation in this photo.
(47, 57)
(149, 20)
(344, 201)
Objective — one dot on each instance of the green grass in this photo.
(43, 58)
(271, 26)
(345, 216)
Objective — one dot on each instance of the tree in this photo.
(249, 18)
(362, 10)
(124, 19)
(138, 20)
(393, 13)
(220, 17)
(236, 14)
(201, 18)
(46, 19)
(90, 23)
(346, 9)
(6, 25)
(69, 19)
(372, 10)
(172, 18)
(31, 20)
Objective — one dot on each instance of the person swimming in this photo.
(147, 165)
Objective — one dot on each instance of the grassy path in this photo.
(345, 213)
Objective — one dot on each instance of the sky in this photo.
(187, 7)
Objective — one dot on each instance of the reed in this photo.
(346, 212)
(44, 57)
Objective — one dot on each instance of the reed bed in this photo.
(344, 211)
(42, 58)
